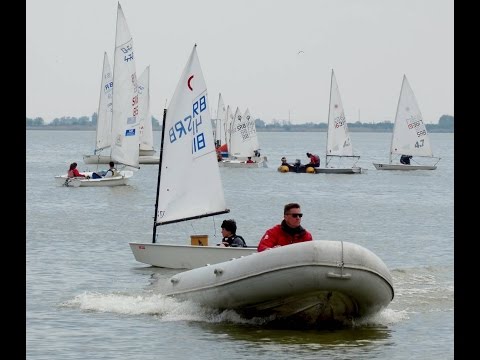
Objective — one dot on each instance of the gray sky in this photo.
(249, 51)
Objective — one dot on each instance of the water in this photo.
(87, 297)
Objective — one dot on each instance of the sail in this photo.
(409, 132)
(104, 117)
(219, 124)
(190, 183)
(146, 131)
(251, 130)
(125, 121)
(338, 138)
(235, 146)
(243, 142)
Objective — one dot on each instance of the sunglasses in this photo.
(295, 215)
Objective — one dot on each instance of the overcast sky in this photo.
(272, 56)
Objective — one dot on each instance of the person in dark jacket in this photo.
(405, 159)
(229, 233)
(288, 232)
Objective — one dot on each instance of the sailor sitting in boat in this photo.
(405, 159)
(73, 172)
(286, 163)
(249, 160)
(230, 238)
(314, 160)
(112, 171)
(106, 173)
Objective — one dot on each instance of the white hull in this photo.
(185, 256)
(403, 167)
(352, 170)
(304, 283)
(105, 159)
(240, 163)
(63, 180)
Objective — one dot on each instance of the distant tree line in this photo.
(445, 124)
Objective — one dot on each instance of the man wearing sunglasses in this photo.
(288, 232)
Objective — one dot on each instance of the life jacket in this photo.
(235, 238)
(277, 236)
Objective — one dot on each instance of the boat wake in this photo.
(167, 309)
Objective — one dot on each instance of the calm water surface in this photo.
(87, 297)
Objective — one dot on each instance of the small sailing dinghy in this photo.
(409, 137)
(104, 118)
(243, 143)
(339, 145)
(189, 185)
(124, 144)
(101, 154)
(312, 283)
(146, 151)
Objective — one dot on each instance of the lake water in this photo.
(87, 297)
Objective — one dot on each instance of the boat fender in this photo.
(310, 170)
(283, 168)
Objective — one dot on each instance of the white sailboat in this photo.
(104, 117)
(339, 145)
(243, 143)
(147, 151)
(189, 183)
(125, 122)
(219, 131)
(409, 135)
(146, 131)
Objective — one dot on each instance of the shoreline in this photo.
(366, 129)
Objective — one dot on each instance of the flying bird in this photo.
(301, 51)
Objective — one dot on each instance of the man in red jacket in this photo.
(288, 232)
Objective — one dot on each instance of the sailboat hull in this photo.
(185, 256)
(241, 163)
(352, 170)
(63, 180)
(309, 283)
(403, 167)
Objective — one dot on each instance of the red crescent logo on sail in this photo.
(188, 82)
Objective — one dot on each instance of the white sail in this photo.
(409, 132)
(146, 131)
(244, 141)
(338, 138)
(228, 124)
(219, 124)
(125, 121)
(190, 184)
(104, 116)
(235, 145)
(251, 130)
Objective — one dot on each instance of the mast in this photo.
(328, 125)
(158, 178)
(395, 120)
